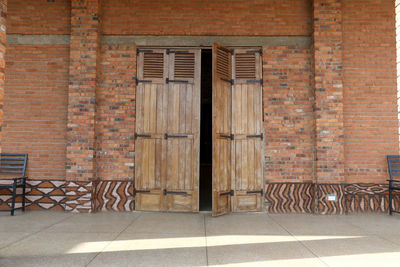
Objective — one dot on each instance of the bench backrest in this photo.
(13, 163)
(393, 166)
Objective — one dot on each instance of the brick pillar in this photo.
(3, 17)
(328, 96)
(84, 50)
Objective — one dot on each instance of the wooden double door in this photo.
(168, 130)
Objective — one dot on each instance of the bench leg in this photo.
(14, 194)
(390, 202)
(23, 197)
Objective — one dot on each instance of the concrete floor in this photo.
(166, 239)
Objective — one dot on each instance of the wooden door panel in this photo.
(248, 175)
(222, 129)
(248, 132)
(150, 154)
(183, 131)
(149, 170)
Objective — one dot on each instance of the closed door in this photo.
(247, 128)
(167, 130)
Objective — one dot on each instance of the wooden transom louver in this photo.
(224, 64)
(245, 66)
(153, 65)
(184, 65)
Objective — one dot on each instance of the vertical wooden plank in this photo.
(250, 109)
(139, 164)
(152, 161)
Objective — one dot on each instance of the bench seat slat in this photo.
(12, 159)
(11, 163)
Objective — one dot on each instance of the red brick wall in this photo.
(369, 89)
(288, 123)
(370, 108)
(35, 107)
(39, 17)
(215, 17)
(83, 70)
(3, 29)
(328, 91)
(115, 126)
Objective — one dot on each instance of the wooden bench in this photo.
(14, 164)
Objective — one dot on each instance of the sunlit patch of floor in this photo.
(192, 242)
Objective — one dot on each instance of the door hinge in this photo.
(169, 51)
(167, 80)
(231, 136)
(261, 136)
(142, 135)
(166, 136)
(226, 49)
(231, 193)
(256, 192)
(232, 82)
(166, 192)
(260, 81)
(140, 191)
(141, 81)
(254, 51)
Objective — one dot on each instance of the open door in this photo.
(222, 129)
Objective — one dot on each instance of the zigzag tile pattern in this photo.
(40, 194)
(114, 196)
(324, 206)
(79, 196)
(289, 197)
(369, 197)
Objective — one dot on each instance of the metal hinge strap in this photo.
(256, 192)
(231, 193)
(229, 81)
(165, 192)
(176, 52)
(254, 51)
(261, 136)
(226, 49)
(142, 81)
(175, 81)
(142, 135)
(166, 136)
(260, 81)
(231, 136)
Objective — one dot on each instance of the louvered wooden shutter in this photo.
(222, 129)
(247, 127)
(151, 124)
(184, 65)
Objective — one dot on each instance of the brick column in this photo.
(3, 17)
(84, 50)
(328, 83)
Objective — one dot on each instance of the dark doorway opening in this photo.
(206, 131)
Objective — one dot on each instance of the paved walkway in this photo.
(166, 239)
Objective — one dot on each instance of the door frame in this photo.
(263, 115)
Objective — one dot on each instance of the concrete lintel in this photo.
(37, 39)
(177, 41)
